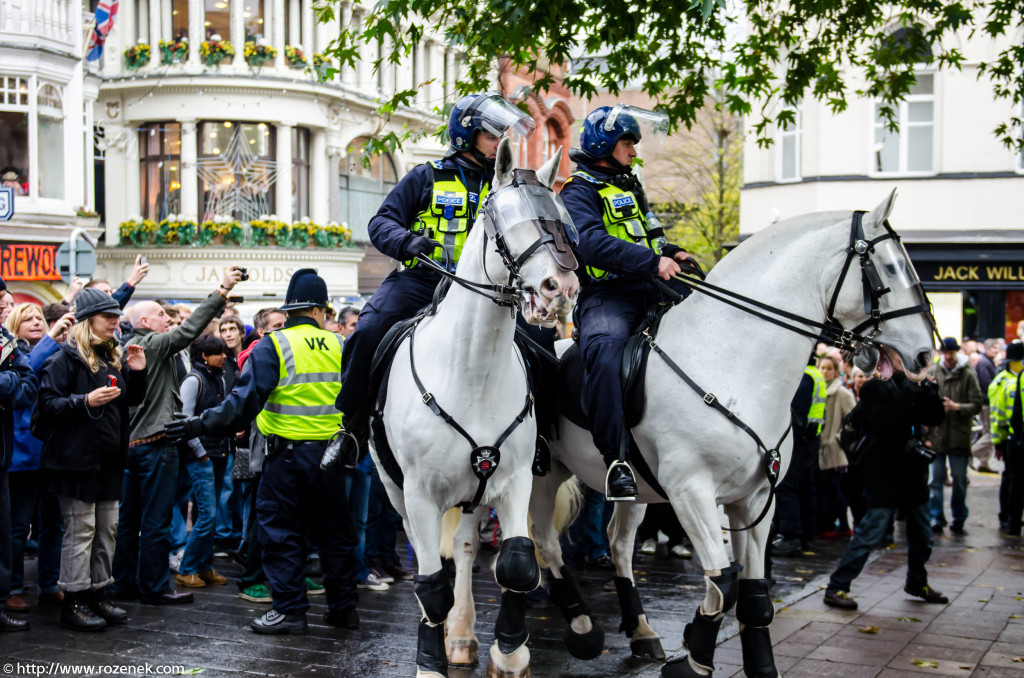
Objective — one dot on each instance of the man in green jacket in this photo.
(962, 400)
(144, 522)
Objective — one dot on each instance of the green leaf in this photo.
(908, 619)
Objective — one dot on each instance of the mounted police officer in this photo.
(622, 247)
(288, 386)
(429, 213)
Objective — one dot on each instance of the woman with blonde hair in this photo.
(82, 418)
(38, 342)
(832, 462)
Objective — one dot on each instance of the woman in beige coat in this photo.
(832, 461)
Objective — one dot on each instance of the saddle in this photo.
(572, 395)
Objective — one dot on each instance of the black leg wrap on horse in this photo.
(430, 652)
(758, 660)
(435, 595)
(700, 637)
(629, 604)
(510, 629)
(726, 583)
(566, 594)
(755, 607)
(516, 568)
(755, 611)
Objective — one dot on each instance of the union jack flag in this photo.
(105, 13)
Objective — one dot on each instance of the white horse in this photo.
(700, 458)
(461, 361)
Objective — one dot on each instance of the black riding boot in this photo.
(619, 484)
(101, 606)
(75, 613)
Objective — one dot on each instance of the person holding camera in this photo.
(289, 386)
(895, 463)
(962, 400)
(82, 418)
(143, 540)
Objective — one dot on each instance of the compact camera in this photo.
(244, 272)
(916, 448)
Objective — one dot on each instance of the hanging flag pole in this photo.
(105, 13)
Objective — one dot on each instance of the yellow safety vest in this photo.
(622, 215)
(816, 415)
(449, 216)
(301, 407)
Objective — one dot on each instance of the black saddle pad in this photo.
(573, 402)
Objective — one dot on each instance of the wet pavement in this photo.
(984, 572)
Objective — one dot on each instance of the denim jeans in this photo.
(26, 498)
(382, 523)
(868, 535)
(143, 535)
(179, 511)
(589, 533)
(357, 489)
(958, 503)
(5, 537)
(199, 550)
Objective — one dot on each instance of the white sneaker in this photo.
(680, 551)
(371, 582)
(649, 547)
(174, 560)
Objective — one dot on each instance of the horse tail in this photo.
(568, 503)
(449, 523)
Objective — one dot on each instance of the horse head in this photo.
(534, 236)
(882, 300)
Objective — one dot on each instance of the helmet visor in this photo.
(496, 115)
(649, 128)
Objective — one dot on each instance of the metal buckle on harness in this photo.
(427, 397)
(844, 340)
(709, 398)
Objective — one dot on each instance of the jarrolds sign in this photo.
(28, 262)
(1000, 272)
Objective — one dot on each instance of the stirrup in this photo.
(607, 495)
(337, 455)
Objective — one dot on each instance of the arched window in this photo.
(50, 101)
(363, 186)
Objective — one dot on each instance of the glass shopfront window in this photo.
(179, 19)
(18, 150)
(252, 13)
(160, 162)
(363, 188)
(300, 173)
(218, 21)
(237, 169)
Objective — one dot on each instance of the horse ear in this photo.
(549, 170)
(503, 164)
(881, 212)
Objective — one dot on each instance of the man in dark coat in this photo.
(896, 476)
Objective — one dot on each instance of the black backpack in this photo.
(853, 437)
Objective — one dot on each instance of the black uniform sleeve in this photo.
(389, 228)
(800, 407)
(258, 380)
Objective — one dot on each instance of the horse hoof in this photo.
(494, 672)
(463, 652)
(647, 648)
(585, 645)
(680, 668)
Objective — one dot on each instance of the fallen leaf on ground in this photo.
(1018, 660)
(908, 619)
(868, 629)
(189, 672)
(805, 571)
(982, 600)
(1016, 616)
(779, 600)
(941, 564)
(926, 664)
(966, 667)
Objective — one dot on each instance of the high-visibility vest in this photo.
(1002, 393)
(623, 217)
(449, 217)
(301, 407)
(816, 415)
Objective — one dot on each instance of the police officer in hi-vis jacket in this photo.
(288, 386)
(622, 247)
(429, 213)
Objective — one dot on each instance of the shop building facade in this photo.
(961, 192)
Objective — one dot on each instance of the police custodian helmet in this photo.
(305, 290)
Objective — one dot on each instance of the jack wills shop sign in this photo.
(960, 274)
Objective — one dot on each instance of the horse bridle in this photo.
(551, 234)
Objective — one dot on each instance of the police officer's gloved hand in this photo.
(420, 244)
(183, 427)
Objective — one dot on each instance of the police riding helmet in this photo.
(599, 134)
(305, 290)
(465, 123)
